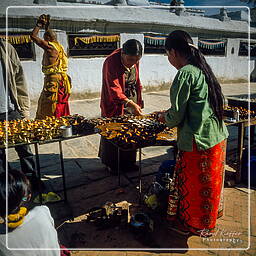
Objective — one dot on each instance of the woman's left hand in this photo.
(160, 116)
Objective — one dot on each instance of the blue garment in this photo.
(166, 167)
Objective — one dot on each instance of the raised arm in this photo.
(34, 34)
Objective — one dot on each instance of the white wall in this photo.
(232, 66)
(33, 74)
(86, 74)
(126, 36)
(154, 69)
(229, 69)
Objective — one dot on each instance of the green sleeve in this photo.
(179, 95)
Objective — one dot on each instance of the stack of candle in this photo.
(243, 112)
(129, 131)
(26, 131)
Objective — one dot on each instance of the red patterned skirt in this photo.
(198, 188)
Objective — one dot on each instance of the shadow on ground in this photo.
(90, 185)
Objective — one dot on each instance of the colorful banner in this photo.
(155, 40)
(211, 45)
(97, 39)
(17, 39)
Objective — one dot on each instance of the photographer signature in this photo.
(221, 232)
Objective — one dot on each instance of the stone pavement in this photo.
(89, 185)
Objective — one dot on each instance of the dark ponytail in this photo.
(182, 42)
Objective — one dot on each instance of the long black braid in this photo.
(182, 42)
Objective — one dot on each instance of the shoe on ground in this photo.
(50, 197)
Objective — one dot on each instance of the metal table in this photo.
(157, 143)
(38, 168)
(241, 134)
(242, 124)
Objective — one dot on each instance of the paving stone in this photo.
(141, 254)
(223, 253)
(74, 176)
(112, 253)
(82, 146)
(145, 170)
(197, 242)
(98, 173)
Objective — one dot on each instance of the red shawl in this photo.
(113, 86)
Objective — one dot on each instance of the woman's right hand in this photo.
(136, 109)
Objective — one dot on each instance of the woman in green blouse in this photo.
(196, 110)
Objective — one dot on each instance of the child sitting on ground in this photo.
(33, 230)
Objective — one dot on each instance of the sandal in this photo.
(51, 197)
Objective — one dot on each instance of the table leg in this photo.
(241, 132)
(63, 171)
(252, 134)
(118, 166)
(175, 151)
(140, 182)
(38, 172)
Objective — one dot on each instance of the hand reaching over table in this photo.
(160, 116)
(135, 107)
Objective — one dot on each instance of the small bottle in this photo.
(172, 206)
(225, 103)
(237, 115)
(172, 200)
